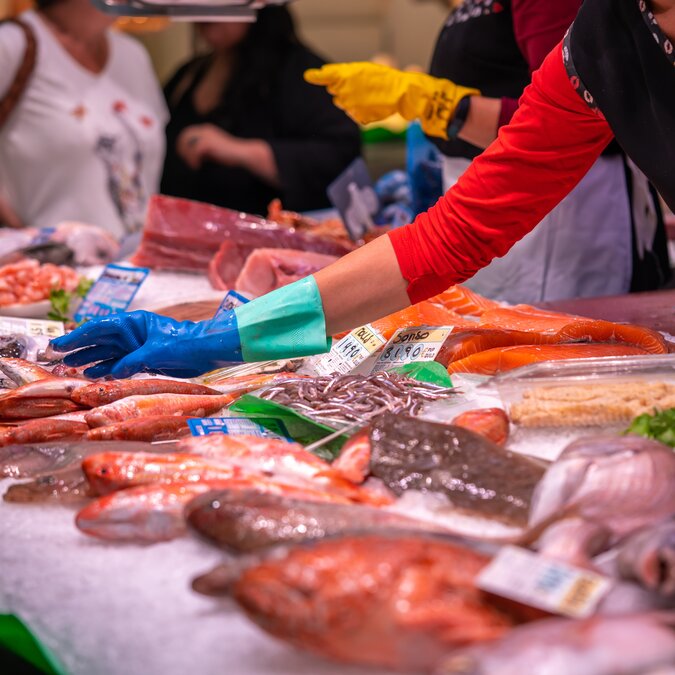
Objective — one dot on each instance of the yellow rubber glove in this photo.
(370, 92)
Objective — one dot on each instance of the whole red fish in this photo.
(49, 387)
(156, 404)
(402, 602)
(41, 430)
(103, 393)
(33, 408)
(150, 513)
(150, 429)
(110, 471)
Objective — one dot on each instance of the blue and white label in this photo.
(112, 292)
(230, 301)
(239, 426)
(545, 583)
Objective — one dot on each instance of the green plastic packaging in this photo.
(426, 371)
(300, 428)
(17, 638)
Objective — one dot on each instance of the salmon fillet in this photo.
(501, 359)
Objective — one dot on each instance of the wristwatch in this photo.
(459, 118)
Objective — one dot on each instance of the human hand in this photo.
(370, 92)
(200, 143)
(128, 343)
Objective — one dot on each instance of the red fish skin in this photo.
(41, 430)
(156, 404)
(147, 513)
(353, 462)
(500, 360)
(399, 602)
(110, 471)
(32, 408)
(150, 429)
(49, 387)
(491, 423)
(102, 393)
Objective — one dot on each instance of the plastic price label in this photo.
(551, 585)
(352, 350)
(112, 292)
(230, 301)
(412, 345)
(10, 325)
(238, 426)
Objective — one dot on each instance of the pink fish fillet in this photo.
(267, 269)
(157, 404)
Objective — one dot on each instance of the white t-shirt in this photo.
(80, 146)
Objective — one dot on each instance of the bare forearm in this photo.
(376, 287)
(258, 158)
(482, 122)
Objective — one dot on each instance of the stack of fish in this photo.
(40, 406)
(374, 558)
(398, 592)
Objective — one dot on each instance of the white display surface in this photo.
(121, 609)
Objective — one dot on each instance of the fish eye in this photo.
(103, 470)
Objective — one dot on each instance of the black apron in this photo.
(477, 48)
(623, 66)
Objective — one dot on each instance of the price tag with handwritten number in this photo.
(352, 350)
(412, 345)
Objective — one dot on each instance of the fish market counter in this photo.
(111, 609)
(655, 310)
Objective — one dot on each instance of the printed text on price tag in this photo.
(410, 345)
(548, 584)
(347, 353)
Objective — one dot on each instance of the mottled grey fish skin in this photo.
(69, 485)
(31, 460)
(566, 647)
(246, 521)
(622, 482)
(649, 558)
(479, 477)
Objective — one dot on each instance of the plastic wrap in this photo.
(587, 392)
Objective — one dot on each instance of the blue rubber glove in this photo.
(286, 323)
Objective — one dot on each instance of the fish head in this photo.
(110, 471)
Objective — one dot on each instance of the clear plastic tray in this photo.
(586, 392)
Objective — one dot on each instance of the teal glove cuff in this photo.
(285, 323)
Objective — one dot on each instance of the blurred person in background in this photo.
(606, 237)
(84, 141)
(246, 128)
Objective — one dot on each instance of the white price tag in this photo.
(10, 325)
(350, 351)
(410, 345)
(524, 576)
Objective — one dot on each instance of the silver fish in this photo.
(29, 461)
(618, 645)
(624, 483)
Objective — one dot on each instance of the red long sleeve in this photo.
(535, 162)
(538, 27)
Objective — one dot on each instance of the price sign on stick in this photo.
(112, 292)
